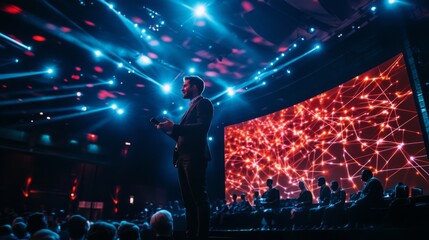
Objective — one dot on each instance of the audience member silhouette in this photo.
(270, 203)
(233, 206)
(77, 227)
(6, 232)
(35, 222)
(299, 213)
(102, 230)
(334, 212)
(316, 213)
(162, 224)
(128, 231)
(257, 205)
(399, 210)
(371, 196)
(45, 234)
(19, 229)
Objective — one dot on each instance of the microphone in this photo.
(154, 121)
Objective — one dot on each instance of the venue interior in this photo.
(300, 88)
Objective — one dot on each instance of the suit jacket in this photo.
(191, 133)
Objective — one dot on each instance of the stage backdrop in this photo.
(369, 121)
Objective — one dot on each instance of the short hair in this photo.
(45, 234)
(19, 229)
(101, 231)
(77, 226)
(197, 81)
(128, 231)
(162, 223)
(321, 179)
(36, 221)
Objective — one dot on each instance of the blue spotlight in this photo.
(165, 112)
(191, 70)
(288, 71)
(78, 94)
(84, 108)
(264, 83)
(111, 82)
(166, 88)
(210, 138)
(120, 65)
(200, 11)
(98, 53)
(218, 103)
(120, 111)
(180, 108)
(16, 60)
(114, 106)
(373, 9)
(144, 60)
(50, 70)
(311, 30)
(391, 1)
(230, 91)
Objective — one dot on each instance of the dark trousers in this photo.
(192, 179)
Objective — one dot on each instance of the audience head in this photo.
(301, 185)
(101, 231)
(334, 185)
(401, 190)
(17, 220)
(269, 182)
(162, 223)
(5, 230)
(77, 226)
(128, 231)
(45, 234)
(321, 181)
(35, 222)
(366, 175)
(243, 196)
(20, 230)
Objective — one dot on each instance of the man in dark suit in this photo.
(192, 154)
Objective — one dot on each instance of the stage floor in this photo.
(349, 234)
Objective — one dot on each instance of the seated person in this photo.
(316, 213)
(299, 213)
(334, 212)
(371, 196)
(270, 202)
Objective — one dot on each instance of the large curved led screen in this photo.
(369, 121)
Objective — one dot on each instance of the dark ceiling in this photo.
(157, 42)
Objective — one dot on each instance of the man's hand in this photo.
(166, 126)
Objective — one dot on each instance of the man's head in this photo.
(269, 182)
(243, 196)
(366, 175)
(301, 185)
(77, 226)
(162, 223)
(321, 181)
(334, 185)
(192, 86)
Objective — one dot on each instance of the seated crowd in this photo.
(369, 207)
